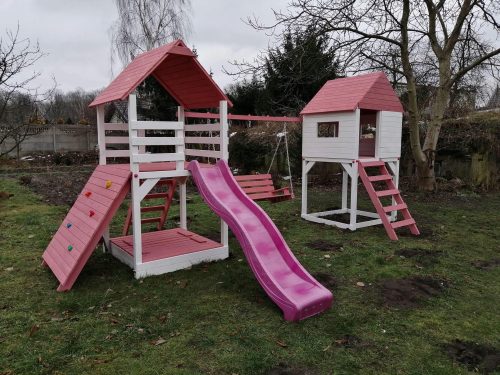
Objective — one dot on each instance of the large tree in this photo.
(436, 44)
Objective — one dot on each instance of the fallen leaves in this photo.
(34, 329)
(159, 341)
(281, 343)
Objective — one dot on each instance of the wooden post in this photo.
(224, 150)
(101, 134)
(303, 210)
(179, 165)
(345, 187)
(134, 168)
(354, 196)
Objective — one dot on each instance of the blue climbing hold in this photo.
(69, 225)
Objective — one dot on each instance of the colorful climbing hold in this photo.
(91, 213)
(108, 184)
(69, 225)
(88, 194)
(70, 248)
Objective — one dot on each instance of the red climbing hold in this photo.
(91, 213)
(88, 194)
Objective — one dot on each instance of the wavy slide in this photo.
(281, 275)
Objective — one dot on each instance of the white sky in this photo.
(75, 35)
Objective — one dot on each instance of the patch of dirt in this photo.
(283, 369)
(475, 357)
(324, 245)
(327, 280)
(410, 292)
(487, 265)
(57, 188)
(349, 341)
(425, 231)
(424, 257)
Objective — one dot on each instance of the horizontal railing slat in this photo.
(117, 153)
(116, 140)
(203, 128)
(157, 141)
(115, 126)
(151, 158)
(163, 174)
(157, 125)
(202, 153)
(203, 140)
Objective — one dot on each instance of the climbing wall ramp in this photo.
(85, 223)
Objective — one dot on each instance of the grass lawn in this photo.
(216, 319)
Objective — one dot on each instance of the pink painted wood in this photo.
(230, 116)
(79, 233)
(367, 91)
(260, 187)
(392, 190)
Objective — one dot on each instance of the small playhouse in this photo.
(196, 148)
(356, 122)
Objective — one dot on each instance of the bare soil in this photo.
(474, 356)
(323, 245)
(487, 265)
(327, 280)
(284, 369)
(410, 292)
(423, 257)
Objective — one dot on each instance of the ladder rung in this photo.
(382, 177)
(156, 195)
(402, 223)
(151, 220)
(396, 207)
(384, 193)
(152, 208)
(376, 163)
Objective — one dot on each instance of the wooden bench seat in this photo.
(260, 187)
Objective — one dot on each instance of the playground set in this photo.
(183, 143)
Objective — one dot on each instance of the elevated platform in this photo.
(167, 251)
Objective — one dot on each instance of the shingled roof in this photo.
(176, 68)
(367, 91)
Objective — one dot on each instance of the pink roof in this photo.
(176, 68)
(367, 91)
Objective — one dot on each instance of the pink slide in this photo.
(281, 275)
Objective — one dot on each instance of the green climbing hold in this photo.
(70, 248)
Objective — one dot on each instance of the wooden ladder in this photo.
(392, 191)
(167, 195)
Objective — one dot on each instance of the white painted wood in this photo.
(156, 125)
(389, 132)
(224, 132)
(101, 134)
(315, 219)
(345, 146)
(345, 186)
(156, 141)
(394, 167)
(152, 158)
(146, 187)
(116, 140)
(203, 140)
(354, 197)
(309, 166)
(183, 205)
(116, 126)
(328, 213)
(117, 153)
(203, 153)
(368, 223)
(303, 209)
(179, 133)
(136, 188)
(163, 174)
(203, 128)
(141, 133)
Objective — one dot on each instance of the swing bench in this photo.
(260, 187)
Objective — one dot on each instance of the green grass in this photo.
(216, 319)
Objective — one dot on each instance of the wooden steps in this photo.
(391, 190)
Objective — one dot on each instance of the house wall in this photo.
(388, 139)
(345, 146)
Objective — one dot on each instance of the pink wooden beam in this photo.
(208, 115)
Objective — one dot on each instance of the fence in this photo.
(53, 138)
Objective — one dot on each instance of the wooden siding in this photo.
(345, 146)
(389, 127)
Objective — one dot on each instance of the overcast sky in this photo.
(75, 35)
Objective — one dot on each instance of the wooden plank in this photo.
(202, 128)
(164, 174)
(116, 140)
(117, 153)
(156, 141)
(202, 153)
(156, 125)
(115, 126)
(403, 223)
(253, 177)
(259, 189)
(385, 193)
(203, 140)
(148, 158)
(246, 184)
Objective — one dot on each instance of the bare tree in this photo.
(17, 98)
(437, 43)
(146, 24)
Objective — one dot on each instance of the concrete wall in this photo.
(55, 138)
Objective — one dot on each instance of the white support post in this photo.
(354, 197)
(224, 150)
(136, 185)
(183, 205)
(345, 186)
(179, 165)
(141, 133)
(304, 187)
(101, 134)
(394, 166)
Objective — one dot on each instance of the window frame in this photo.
(325, 134)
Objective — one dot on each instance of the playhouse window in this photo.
(328, 129)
